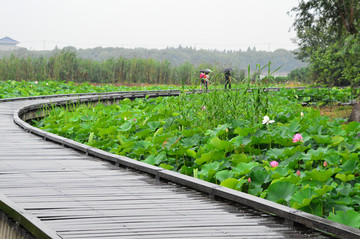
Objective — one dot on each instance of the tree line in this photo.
(179, 56)
(66, 66)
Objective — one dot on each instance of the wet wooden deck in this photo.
(79, 196)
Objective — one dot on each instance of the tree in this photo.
(327, 35)
(319, 23)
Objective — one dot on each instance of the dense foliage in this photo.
(327, 35)
(14, 89)
(257, 142)
(178, 56)
(312, 96)
(66, 66)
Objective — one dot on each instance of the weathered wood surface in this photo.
(79, 196)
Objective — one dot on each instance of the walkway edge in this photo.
(211, 189)
(31, 223)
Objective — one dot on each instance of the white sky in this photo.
(204, 24)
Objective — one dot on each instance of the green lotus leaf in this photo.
(336, 140)
(344, 190)
(350, 218)
(191, 153)
(244, 168)
(191, 141)
(158, 132)
(333, 158)
(230, 183)
(221, 144)
(279, 172)
(206, 168)
(256, 191)
(321, 175)
(240, 158)
(211, 156)
(125, 127)
(259, 176)
(166, 166)
(350, 165)
(324, 189)
(142, 134)
(306, 99)
(243, 131)
(224, 174)
(205, 157)
(141, 146)
(275, 152)
(344, 177)
(281, 191)
(186, 170)
(352, 127)
(294, 127)
(347, 201)
(151, 160)
(303, 197)
(75, 118)
(220, 130)
(322, 139)
(153, 125)
(317, 154)
(261, 137)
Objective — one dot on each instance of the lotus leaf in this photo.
(224, 174)
(303, 197)
(281, 192)
(230, 183)
(350, 218)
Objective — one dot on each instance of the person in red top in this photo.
(204, 78)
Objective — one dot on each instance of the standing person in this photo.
(228, 77)
(202, 78)
(206, 81)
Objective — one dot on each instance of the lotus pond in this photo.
(261, 143)
(13, 89)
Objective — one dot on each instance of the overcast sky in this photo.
(204, 24)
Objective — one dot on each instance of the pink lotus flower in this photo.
(298, 173)
(249, 180)
(325, 164)
(134, 119)
(297, 138)
(274, 164)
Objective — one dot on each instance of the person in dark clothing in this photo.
(227, 79)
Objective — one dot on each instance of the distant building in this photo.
(8, 44)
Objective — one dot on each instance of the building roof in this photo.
(8, 40)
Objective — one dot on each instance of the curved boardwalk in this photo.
(79, 196)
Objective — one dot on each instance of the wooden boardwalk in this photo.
(79, 196)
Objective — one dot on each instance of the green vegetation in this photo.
(257, 142)
(177, 56)
(13, 89)
(327, 35)
(66, 66)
